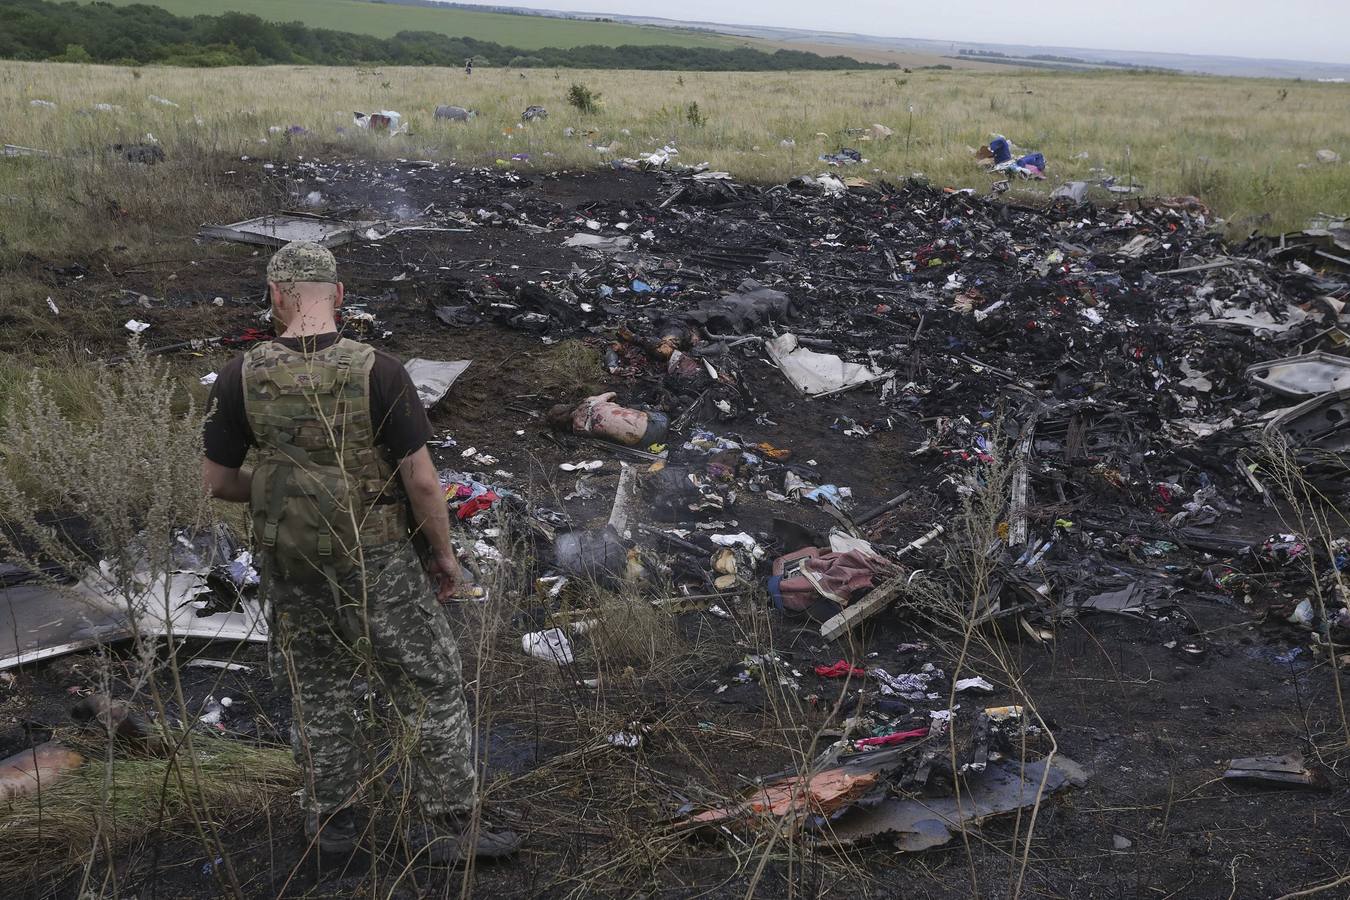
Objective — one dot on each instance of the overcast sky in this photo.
(1289, 29)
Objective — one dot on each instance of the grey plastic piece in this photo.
(1072, 190)
(596, 555)
(917, 824)
(1303, 376)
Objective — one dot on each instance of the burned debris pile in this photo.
(1122, 395)
(1132, 377)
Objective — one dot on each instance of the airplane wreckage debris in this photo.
(208, 595)
(1129, 371)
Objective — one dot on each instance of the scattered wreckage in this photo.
(1121, 364)
(1118, 375)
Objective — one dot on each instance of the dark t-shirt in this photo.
(401, 425)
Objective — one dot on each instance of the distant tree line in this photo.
(1050, 57)
(139, 35)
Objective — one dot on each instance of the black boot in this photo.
(335, 832)
(451, 839)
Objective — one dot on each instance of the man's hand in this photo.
(446, 573)
(431, 519)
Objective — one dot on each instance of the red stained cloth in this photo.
(811, 573)
(472, 507)
(839, 670)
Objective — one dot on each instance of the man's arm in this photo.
(226, 437)
(224, 483)
(431, 518)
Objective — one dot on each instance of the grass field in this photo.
(387, 19)
(1246, 147)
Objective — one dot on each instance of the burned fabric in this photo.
(803, 578)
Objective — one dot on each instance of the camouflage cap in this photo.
(302, 261)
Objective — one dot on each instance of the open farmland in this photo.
(1244, 147)
(388, 19)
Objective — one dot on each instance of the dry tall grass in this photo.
(125, 466)
(1247, 147)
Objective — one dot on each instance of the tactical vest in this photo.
(320, 474)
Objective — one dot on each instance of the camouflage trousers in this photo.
(394, 636)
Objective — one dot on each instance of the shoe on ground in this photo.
(448, 840)
(336, 832)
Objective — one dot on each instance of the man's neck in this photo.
(317, 331)
(310, 324)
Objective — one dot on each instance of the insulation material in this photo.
(818, 374)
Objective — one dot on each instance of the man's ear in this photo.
(280, 315)
(277, 308)
(337, 298)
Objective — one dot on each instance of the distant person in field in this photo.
(341, 462)
(468, 66)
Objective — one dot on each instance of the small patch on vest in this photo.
(306, 379)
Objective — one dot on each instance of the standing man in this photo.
(341, 460)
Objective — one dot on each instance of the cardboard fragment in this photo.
(821, 794)
(1289, 770)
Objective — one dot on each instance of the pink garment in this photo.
(888, 740)
(600, 417)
